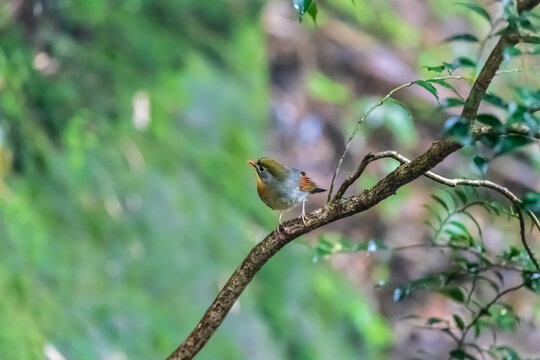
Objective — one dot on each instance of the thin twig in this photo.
(465, 182)
(357, 127)
(389, 95)
(485, 309)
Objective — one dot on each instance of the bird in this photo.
(281, 187)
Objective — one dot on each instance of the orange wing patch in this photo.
(306, 184)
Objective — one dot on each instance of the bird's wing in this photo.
(306, 184)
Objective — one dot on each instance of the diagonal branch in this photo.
(338, 209)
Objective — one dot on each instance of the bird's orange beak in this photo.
(252, 163)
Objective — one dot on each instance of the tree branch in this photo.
(337, 209)
(457, 182)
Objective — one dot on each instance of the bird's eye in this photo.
(261, 168)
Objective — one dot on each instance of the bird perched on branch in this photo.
(282, 187)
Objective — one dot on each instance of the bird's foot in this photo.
(278, 231)
(304, 219)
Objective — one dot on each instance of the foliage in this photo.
(115, 234)
(472, 271)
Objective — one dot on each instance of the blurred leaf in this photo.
(323, 88)
(454, 293)
(481, 163)
(510, 52)
(437, 69)
(301, 7)
(459, 130)
(531, 201)
(531, 280)
(459, 321)
(495, 100)
(463, 61)
(452, 102)
(433, 320)
(530, 98)
(441, 202)
(332, 243)
(460, 226)
(400, 122)
(426, 85)
(504, 317)
(511, 143)
(462, 195)
(477, 9)
(461, 354)
(461, 37)
(445, 84)
(504, 352)
(490, 120)
(490, 282)
(312, 11)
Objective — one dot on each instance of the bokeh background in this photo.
(126, 200)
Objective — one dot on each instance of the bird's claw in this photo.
(304, 219)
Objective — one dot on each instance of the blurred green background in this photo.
(125, 197)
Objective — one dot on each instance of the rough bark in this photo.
(339, 208)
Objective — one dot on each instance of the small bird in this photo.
(282, 187)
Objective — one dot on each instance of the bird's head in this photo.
(269, 170)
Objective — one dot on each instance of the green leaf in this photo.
(301, 7)
(435, 213)
(504, 317)
(463, 61)
(454, 293)
(495, 100)
(510, 52)
(400, 122)
(433, 320)
(323, 88)
(460, 354)
(426, 85)
(441, 82)
(437, 69)
(530, 97)
(462, 196)
(490, 120)
(445, 84)
(452, 102)
(460, 226)
(459, 321)
(429, 225)
(442, 202)
(461, 37)
(532, 281)
(512, 142)
(481, 163)
(477, 9)
(531, 201)
(491, 282)
(506, 353)
(477, 329)
(459, 130)
(312, 11)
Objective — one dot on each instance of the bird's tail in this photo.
(317, 190)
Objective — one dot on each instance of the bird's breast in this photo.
(280, 198)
